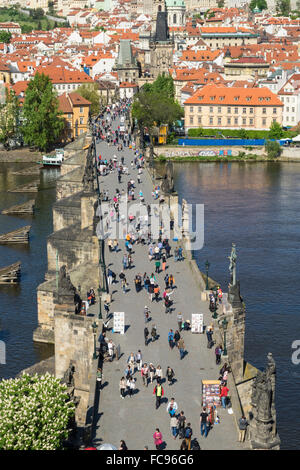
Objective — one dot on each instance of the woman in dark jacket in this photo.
(170, 375)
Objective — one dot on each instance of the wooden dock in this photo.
(32, 187)
(10, 274)
(25, 208)
(16, 236)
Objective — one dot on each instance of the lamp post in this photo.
(207, 264)
(100, 304)
(224, 325)
(94, 326)
(215, 315)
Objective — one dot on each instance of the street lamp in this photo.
(215, 315)
(94, 326)
(100, 306)
(207, 264)
(224, 325)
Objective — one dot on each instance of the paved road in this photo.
(135, 419)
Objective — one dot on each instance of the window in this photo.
(211, 109)
(191, 120)
(236, 110)
(236, 98)
(229, 120)
(236, 120)
(191, 109)
(199, 109)
(251, 122)
(229, 110)
(287, 109)
(219, 120)
(287, 118)
(211, 120)
(274, 110)
(81, 109)
(264, 121)
(251, 110)
(244, 110)
(81, 120)
(293, 110)
(219, 109)
(244, 121)
(199, 119)
(264, 110)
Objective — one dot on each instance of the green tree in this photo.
(42, 120)
(5, 36)
(283, 7)
(242, 134)
(35, 413)
(260, 4)
(163, 84)
(276, 131)
(220, 3)
(9, 114)
(273, 149)
(91, 94)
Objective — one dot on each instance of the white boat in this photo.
(54, 160)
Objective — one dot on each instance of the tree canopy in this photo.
(34, 413)
(9, 112)
(276, 131)
(283, 7)
(155, 104)
(43, 123)
(273, 149)
(5, 36)
(91, 94)
(260, 4)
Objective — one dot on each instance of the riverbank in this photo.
(22, 155)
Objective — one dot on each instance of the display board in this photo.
(197, 323)
(211, 393)
(119, 322)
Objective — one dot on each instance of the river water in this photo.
(18, 306)
(255, 205)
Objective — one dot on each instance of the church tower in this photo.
(158, 6)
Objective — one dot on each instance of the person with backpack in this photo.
(188, 435)
(170, 375)
(172, 407)
(181, 424)
(218, 352)
(159, 393)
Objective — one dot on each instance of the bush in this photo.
(273, 149)
(34, 413)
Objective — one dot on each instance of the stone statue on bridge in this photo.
(168, 182)
(232, 266)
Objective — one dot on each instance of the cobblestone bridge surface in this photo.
(135, 418)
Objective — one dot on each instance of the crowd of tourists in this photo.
(136, 231)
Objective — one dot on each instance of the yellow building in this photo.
(232, 108)
(75, 111)
(246, 68)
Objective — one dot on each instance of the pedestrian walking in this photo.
(159, 374)
(171, 280)
(131, 361)
(131, 386)
(145, 374)
(181, 424)
(243, 423)
(172, 407)
(156, 292)
(171, 339)
(181, 347)
(158, 439)
(159, 393)
(151, 372)
(151, 291)
(179, 320)
(209, 333)
(111, 348)
(106, 307)
(146, 314)
(139, 359)
(174, 426)
(146, 334)
(204, 422)
(153, 333)
(157, 266)
(122, 387)
(223, 395)
(170, 375)
(188, 435)
(218, 352)
(123, 445)
(163, 262)
(176, 337)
